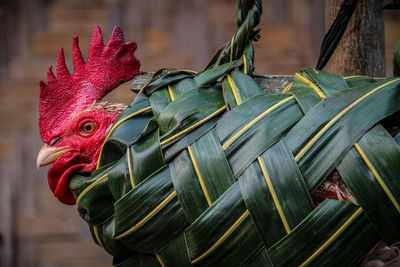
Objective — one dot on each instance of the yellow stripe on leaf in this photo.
(147, 217)
(337, 117)
(309, 83)
(378, 177)
(231, 55)
(90, 187)
(193, 126)
(332, 238)
(353, 76)
(287, 88)
(171, 93)
(96, 234)
(251, 123)
(234, 90)
(128, 152)
(222, 238)
(144, 86)
(191, 71)
(244, 64)
(196, 169)
(125, 119)
(273, 195)
(160, 260)
(118, 124)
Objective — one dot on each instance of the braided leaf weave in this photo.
(211, 169)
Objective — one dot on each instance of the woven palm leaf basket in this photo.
(218, 168)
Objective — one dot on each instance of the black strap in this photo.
(335, 32)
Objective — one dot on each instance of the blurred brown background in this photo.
(37, 230)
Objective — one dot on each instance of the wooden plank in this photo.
(7, 192)
(362, 48)
(62, 251)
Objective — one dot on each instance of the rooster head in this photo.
(73, 123)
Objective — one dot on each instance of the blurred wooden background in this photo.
(37, 230)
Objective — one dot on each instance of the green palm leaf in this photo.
(219, 167)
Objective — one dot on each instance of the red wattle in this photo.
(62, 190)
(59, 173)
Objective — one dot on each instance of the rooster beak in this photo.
(49, 154)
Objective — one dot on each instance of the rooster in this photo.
(73, 123)
(207, 168)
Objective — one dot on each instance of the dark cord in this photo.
(335, 32)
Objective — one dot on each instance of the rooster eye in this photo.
(88, 128)
(54, 141)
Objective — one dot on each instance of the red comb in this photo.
(107, 66)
